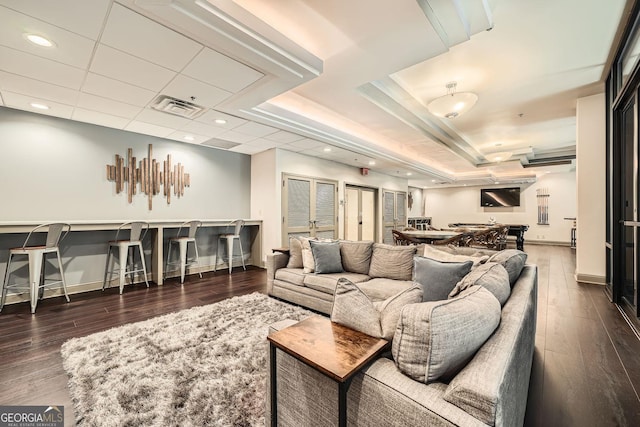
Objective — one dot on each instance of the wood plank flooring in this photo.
(586, 369)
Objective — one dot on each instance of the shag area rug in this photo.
(197, 367)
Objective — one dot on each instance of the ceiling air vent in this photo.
(177, 107)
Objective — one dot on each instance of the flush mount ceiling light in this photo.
(453, 104)
(220, 121)
(39, 40)
(498, 157)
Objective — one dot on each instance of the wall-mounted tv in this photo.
(499, 197)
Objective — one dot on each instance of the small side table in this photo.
(327, 347)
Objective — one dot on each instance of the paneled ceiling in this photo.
(348, 81)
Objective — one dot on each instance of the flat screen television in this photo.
(499, 197)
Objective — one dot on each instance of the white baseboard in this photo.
(590, 278)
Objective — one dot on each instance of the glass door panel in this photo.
(628, 201)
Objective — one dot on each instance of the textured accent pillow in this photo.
(438, 278)
(308, 263)
(491, 276)
(326, 257)
(513, 261)
(436, 339)
(439, 255)
(353, 309)
(392, 262)
(356, 256)
(295, 253)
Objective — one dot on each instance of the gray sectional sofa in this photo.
(489, 388)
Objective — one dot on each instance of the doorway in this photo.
(360, 213)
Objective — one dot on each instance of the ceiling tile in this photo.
(255, 129)
(162, 119)
(36, 88)
(265, 144)
(16, 100)
(229, 74)
(149, 129)
(202, 129)
(98, 118)
(305, 144)
(247, 149)
(213, 142)
(194, 138)
(211, 116)
(236, 137)
(183, 87)
(27, 65)
(124, 67)
(117, 90)
(107, 106)
(70, 49)
(86, 19)
(135, 34)
(283, 136)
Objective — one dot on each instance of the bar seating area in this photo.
(133, 252)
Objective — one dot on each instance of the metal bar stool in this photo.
(135, 241)
(183, 245)
(37, 263)
(237, 225)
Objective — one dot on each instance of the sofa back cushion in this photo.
(356, 256)
(491, 276)
(392, 262)
(512, 260)
(436, 339)
(438, 278)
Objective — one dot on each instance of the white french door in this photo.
(394, 213)
(360, 213)
(310, 207)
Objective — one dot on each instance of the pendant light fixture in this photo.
(453, 104)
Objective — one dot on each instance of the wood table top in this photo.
(333, 349)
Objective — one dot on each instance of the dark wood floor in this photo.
(586, 366)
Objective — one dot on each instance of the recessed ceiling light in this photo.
(372, 163)
(220, 121)
(188, 138)
(327, 149)
(39, 106)
(409, 174)
(433, 180)
(39, 40)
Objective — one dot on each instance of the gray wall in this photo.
(54, 169)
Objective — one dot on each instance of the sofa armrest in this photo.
(275, 261)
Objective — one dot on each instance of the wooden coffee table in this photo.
(334, 350)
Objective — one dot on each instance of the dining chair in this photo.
(229, 239)
(186, 234)
(138, 231)
(37, 259)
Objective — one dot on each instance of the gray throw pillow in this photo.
(436, 339)
(356, 256)
(353, 309)
(392, 262)
(491, 276)
(326, 257)
(512, 260)
(438, 278)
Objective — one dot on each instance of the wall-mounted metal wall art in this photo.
(127, 175)
(543, 206)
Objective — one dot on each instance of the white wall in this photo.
(591, 181)
(267, 169)
(55, 169)
(462, 204)
(418, 202)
